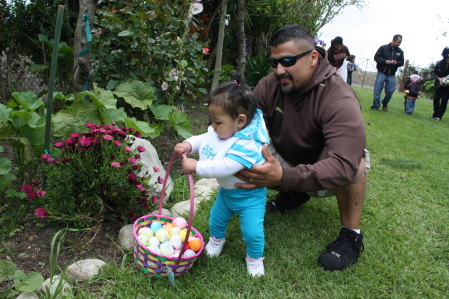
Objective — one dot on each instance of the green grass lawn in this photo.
(405, 226)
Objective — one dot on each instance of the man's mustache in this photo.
(284, 76)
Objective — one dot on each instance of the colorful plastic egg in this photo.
(155, 249)
(162, 235)
(155, 226)
(182, 234)
(179, 222)
(188, 253)
(168, 227)
(144, 239)
(145, 231)
(175, 231)
(176, 241)
(166, 249)
(154, 241)
(195, 244)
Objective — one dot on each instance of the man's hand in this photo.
(189, 165)
(267, 175)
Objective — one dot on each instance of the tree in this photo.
(241, 39)
(221, 35)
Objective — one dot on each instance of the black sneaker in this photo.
(286, 201)
(343, 252)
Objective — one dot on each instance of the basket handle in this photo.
(192, 202)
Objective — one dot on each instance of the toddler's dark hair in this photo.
(235, 98)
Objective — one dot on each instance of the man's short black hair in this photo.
(291, 32)
(396, 36)
(445, 52)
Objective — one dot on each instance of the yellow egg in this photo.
(175, 231)
(182, 234)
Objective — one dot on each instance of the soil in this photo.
(30, 246)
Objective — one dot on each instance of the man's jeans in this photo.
(389, 82)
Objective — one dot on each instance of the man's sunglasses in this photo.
(287, 61)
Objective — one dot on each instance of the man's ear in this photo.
(314, 58)
(241, 120)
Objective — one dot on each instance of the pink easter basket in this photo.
(158, 265)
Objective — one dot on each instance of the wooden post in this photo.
(401, 86)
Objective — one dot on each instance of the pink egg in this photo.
(179, 222)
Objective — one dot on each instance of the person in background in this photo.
(441, 89)
(337, 54)
(389, 58)
(352, 67)
(233, 142)
(413, 93)
(318, 139)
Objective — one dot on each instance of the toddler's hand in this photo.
(189, 165)
(183, 148)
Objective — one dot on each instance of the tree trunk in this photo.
(221, 34)
(81, 67)
(241, 59)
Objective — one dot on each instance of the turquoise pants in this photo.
(250, 206)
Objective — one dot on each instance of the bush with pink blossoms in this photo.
(93, 176)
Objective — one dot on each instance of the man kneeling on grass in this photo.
(318, 136)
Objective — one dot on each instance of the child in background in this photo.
(413, 93)
(352, 66)
(233, 142)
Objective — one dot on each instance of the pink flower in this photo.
(138, 135)
(154, 199)
(115, 164)
(59, 144)
(140, 148)
(127, 148)
(132, 160)
(31, 195)
(74, 135)
(107, 137)
(40, 212)
(160, 180)
(66, 160)
(70, 141)
(26, 188)
(117, 143)
(131, 176)
(132, 215)
(40, 192)
(36, 183)
(146, 206)
(206, 51)
(135, 167)
(156, 169)
(86, 141)
(140, 188)
(45, 157)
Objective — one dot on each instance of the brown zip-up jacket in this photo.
(325, 114)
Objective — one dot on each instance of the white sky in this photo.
(364, 31)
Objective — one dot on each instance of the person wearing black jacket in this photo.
(388, 58)
(441, 90)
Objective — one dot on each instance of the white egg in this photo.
(188, 253)
(176, 241)
(154, 241)
(162, 235)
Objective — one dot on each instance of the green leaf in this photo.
(5, 181)
(136, 93)
(75, 119)
(36, 121)
(181, 123)
(102, 98)
(143, 127)
(23, 143)
(113, 115)
(161, 111)
(27, 283)
(4, 113)
(5, 165)
(126, 33)
(7, 269)
(28, 100)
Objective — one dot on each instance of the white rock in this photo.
(164, 212)
(126, 237)
(51, 287)
(84, 269)
(211, 183)
(28, 295)
(150, 159)
(182, 209)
